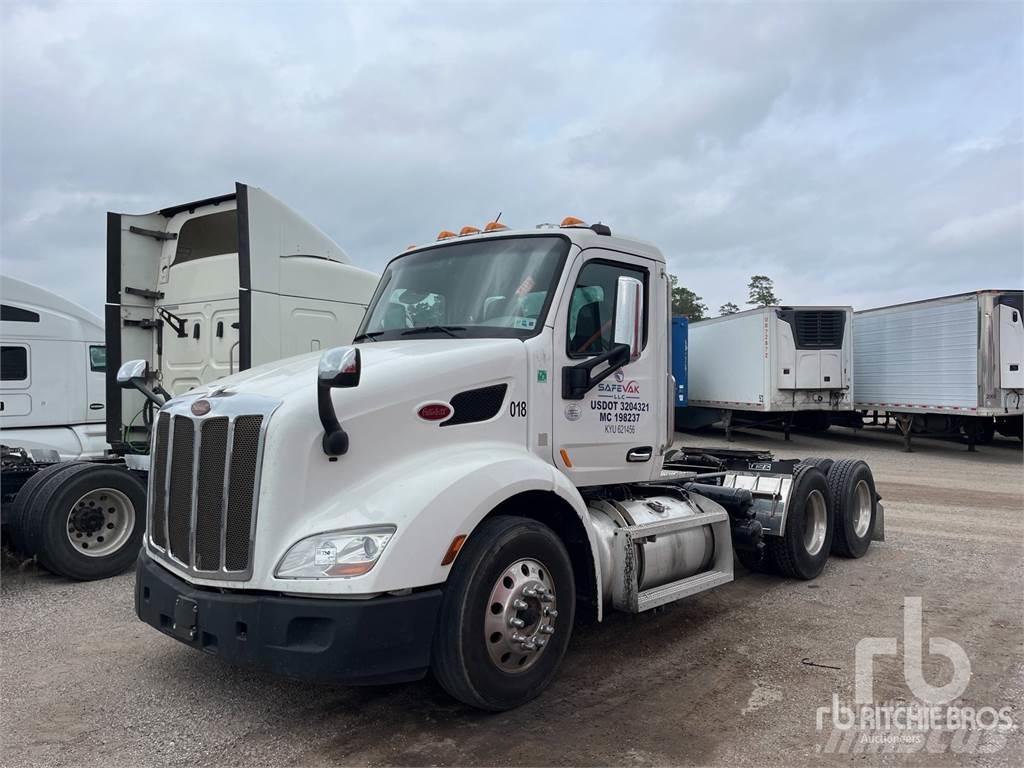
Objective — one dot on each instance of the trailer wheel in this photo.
(88, 522)
(854, 503)
(506, 616)
(20, 540)
(803, 548)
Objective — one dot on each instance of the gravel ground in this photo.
(720, 679)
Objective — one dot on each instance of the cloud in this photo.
(857, 153)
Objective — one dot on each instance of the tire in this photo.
(802, 550)
(755, 562)
(23, 502)
(823, 464)
(854, 504)
(73, 505)
(474, 657)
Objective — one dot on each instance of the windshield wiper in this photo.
(435, 329)
(372, 336)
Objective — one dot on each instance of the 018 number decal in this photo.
(517, 409)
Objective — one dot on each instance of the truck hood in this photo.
(385, 366)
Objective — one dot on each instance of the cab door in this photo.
(614, 433)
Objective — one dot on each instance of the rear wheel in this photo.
(88, 522)
(20, 540)
(854, 503)
(802, 550)
(506, 616)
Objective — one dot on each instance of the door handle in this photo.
(643, 453)
(95, 406)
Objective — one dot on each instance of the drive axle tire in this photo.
(854, 503)
(506, 616)
(87, 523)
(802, 550)
(24, 500)
(821, 463)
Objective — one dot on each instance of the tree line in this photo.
(760, 293)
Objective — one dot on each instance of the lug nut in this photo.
(520, 605)
(529, 646)
(547, 629)
(518, 638)
(547, 597)
(540, 641)
(516, 622)
(551, 612)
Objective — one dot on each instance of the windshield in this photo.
(497, 288)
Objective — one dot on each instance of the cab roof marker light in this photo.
(446, 234)
(411, 247)
(468, 231)
(494, 226)
(572, 221)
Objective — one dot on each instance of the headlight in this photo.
(335, 554)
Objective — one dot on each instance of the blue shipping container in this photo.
(680, 337)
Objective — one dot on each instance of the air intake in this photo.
(477, 405)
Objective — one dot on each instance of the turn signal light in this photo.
(453, 549)
(444, 234)
(468, 231)
(572, 221)
(494, 226)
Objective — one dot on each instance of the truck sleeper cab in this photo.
(488, 460)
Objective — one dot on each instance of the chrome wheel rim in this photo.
(520, 616)
(100, 522)
(815, 522)
(862, 506)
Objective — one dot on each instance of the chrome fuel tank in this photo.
(661, 559)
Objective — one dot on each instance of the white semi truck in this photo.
(194, 292)
(785, 366)
(949, 365)
(53, 374)
(489, 461)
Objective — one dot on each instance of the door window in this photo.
(13, 363)
(592, 307)
(97, 358)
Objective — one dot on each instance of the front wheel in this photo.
(506, 616)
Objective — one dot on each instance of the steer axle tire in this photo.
(802, 550)
(506, 615)
(854, 505)
(87, 522)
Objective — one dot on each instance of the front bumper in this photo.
(361, 642)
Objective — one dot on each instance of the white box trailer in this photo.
(784, 365)
(946, 365)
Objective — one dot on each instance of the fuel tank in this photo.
(661, 559)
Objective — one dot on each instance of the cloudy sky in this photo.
(861, 153)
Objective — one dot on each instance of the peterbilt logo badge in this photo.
(200, 407)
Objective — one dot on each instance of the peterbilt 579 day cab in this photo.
(194, 292)
(487, 462)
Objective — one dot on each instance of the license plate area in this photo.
(186, 619)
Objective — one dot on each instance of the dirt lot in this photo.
(725, 678)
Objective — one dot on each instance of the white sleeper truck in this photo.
(488, 462)
(194, 292)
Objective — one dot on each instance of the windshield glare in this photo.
(481, 288)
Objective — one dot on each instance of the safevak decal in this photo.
(618, 405)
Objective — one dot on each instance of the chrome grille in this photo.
(203, 486)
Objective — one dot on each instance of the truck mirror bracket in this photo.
(339, 368)
(579, 379)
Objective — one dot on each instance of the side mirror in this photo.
(130, 371)
(629, 315)
(339, 368)
(134, 375)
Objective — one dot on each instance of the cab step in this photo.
(626, 594)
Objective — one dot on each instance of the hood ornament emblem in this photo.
(200, 407)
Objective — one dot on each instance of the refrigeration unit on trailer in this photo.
(489, 460)
(948, 365)
(195, 292)
(790, 366)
